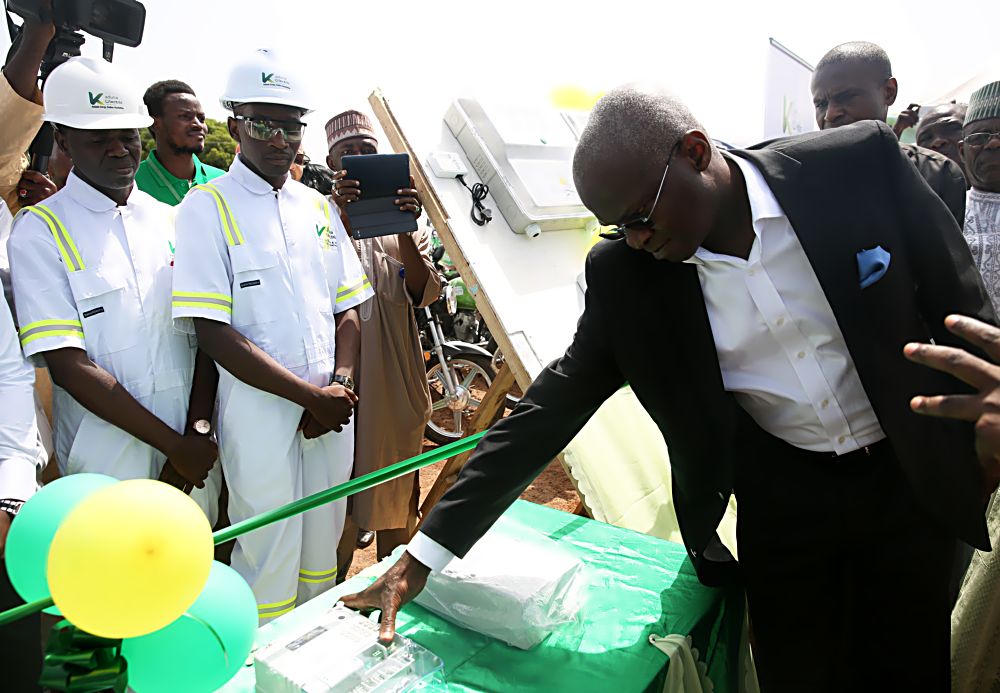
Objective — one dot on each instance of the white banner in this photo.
(788, 108)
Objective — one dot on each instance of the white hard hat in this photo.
(261, 78)
(93, 94)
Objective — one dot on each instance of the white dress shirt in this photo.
(780, 349)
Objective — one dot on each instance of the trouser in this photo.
(267, 464)
(847, 577)
(20, 643)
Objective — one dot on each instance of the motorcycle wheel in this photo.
(450, 418)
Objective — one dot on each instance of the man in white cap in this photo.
(267, 275)
(91, 271)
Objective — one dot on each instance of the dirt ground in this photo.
(552, 488)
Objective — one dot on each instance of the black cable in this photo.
(480, 215)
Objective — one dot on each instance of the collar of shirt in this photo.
(89, 196)
(763, 205)
(242, 174)
(200, 175)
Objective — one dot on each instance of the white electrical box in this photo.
(525, 156)
(339, 652)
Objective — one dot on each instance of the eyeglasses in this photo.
(618, 232)
(979, 139)
(265, 130)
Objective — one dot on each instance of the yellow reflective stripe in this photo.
(317, 580)
(317, 572)
(262, 607)
(225, 213)
(25, 341)
(366, 285)
(39, 323)
(278, 613)
(196, 304)
(62, 239)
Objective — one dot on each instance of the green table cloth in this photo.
(637, 585)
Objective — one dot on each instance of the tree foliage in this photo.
(220, 148)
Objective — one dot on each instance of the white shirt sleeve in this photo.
(203, 277)
(19, 453)
(355, 287)
(47, 317)
(429, 552)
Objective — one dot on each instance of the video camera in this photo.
(112, 21)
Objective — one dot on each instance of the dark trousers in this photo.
(20, 644)
(847, 577)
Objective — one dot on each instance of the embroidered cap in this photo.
(348, 124)
(984, 103)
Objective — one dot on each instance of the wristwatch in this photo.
(11, 506)
(202, 427)
(345, 380)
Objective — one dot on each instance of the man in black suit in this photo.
(768, 349)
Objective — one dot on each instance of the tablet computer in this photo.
(380, 176)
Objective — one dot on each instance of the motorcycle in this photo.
(458, 373)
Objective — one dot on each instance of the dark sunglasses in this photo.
(642, 221)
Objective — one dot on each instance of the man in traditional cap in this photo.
(395, 406)
(980, 150)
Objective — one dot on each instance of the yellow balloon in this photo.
(130, 559)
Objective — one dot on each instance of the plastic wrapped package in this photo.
(516, 587)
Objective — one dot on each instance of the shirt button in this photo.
(824, 404)
(841, 439)
(780, 321)
(801, 355)
(752, 272)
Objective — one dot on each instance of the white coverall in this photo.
(94, 276)
(277, 266)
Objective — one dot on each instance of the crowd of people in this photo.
(225, 333)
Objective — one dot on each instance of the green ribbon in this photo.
(78, 662)
(344, 490)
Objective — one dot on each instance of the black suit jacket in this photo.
(645, 323)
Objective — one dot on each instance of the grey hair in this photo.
(632, 123)
(858, 52)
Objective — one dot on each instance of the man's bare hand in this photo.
(400, 584)
(983, 408)
(34, 187)
(345, 191)
(907, 119)
(170, 475)
(332, 407)
(193, 457)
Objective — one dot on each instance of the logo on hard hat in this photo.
(270, 79)
(105, 102)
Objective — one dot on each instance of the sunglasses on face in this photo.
(264, 129)
(643, 220)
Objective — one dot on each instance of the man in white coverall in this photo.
(91, 273)
(268, 277)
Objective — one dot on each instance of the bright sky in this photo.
(712, 54)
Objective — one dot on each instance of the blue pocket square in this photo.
(872, 265)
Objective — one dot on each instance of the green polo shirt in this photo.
(157, 181)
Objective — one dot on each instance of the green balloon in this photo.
(31, 533)
(203, 649)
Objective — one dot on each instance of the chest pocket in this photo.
(107, 311)
(255, 277)
(390, 279)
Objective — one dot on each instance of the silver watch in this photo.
(202, 427)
